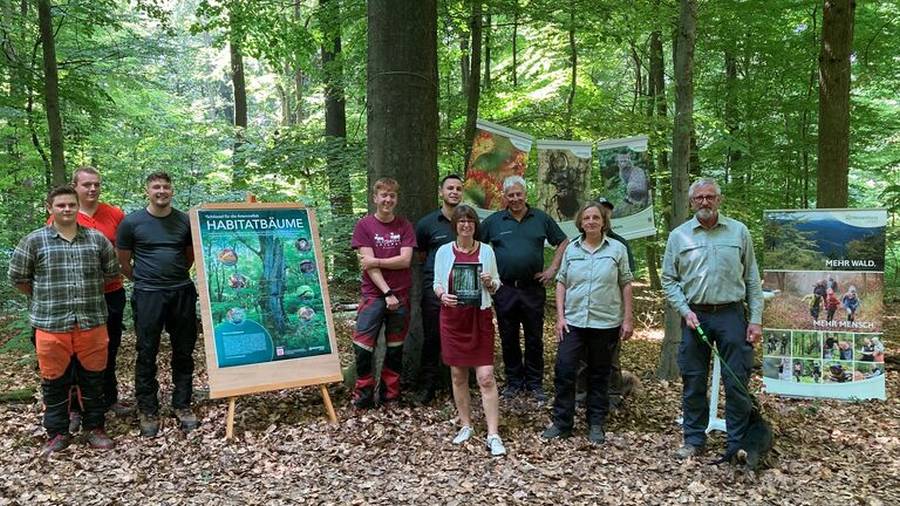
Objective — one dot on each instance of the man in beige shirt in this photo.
(709, 274)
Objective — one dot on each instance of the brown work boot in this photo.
(55, 444)
(187, 419)
(149, 425)
(98, 439)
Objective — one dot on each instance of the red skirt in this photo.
(467, 336)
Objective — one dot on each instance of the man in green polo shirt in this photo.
(709, 274)
(517, 235)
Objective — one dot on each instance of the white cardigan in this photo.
(443, 263)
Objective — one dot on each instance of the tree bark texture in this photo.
(473, 93)
(240, 108)
(657, 92)
(51, 93)
(681, 159)
(734, 154)
(402, 110)
(834, 103)
(515, 46)
(488, 33)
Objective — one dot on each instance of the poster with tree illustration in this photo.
(263, 294)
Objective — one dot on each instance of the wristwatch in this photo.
(389, 293)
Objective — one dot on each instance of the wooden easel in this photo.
(326, 398)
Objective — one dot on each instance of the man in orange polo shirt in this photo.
(105, 219)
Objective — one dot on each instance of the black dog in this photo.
(755, 445)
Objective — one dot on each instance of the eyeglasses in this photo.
(701, 198)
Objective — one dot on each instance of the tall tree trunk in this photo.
(681, 158)
(733, 155)
(240, 109)
(805, 122)
(473, 93)
(488, 32)
(515, 45)
(299, 111)
(402, 115)
(573, 79)
(834, 103)
(51, 93)
(657, 92)
(464, 63)
(338, 173)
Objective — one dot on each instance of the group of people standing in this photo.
(710, 274)
(72, 270)
(825, 295)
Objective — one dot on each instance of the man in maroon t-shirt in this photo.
(384, 243)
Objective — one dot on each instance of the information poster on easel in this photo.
(263, 298)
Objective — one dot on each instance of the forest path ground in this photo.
(285, 452)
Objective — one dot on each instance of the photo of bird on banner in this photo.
(759, 439)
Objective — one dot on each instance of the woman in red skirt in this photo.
(465, 276)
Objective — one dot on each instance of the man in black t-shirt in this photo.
(432, 232)
(155, 251)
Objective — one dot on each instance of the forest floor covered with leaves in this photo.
(285, 451)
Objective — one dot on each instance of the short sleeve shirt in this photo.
(105, 220)
(432, 232)
(594, 281)
(386, 241)
(158, 248)
(519, 245)
(66, 277)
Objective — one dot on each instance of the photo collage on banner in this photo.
(497, 153)
(262, 281)
(823, 285)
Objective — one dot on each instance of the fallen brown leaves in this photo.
(286, 453)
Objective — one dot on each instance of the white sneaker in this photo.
(496, 445)
(463, 435)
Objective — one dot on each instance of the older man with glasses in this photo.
(709, 275)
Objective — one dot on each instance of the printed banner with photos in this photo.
(624, 181)
(823, 283)
(497, 153)
(564, 177)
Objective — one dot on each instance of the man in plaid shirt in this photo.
(63, 267)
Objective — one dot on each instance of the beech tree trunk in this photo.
(515, 45)
(402, 109)
(338, 173)
(488, 32)
(240, 109)
(657, 92)
(681, 160)
(51, 94)
(834, 103)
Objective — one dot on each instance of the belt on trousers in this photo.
(521, 283)
(714, 308)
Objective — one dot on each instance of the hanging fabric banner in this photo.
(564, 177)
(624, 181)
(497, 152)
(824, 283)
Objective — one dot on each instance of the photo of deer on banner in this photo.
(497, 152)
(624, 180)
(564, 177)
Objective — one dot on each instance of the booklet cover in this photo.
(466, 283)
